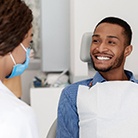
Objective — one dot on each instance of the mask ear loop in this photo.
(12, 59)
(23, 47)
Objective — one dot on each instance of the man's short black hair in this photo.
(122, 23)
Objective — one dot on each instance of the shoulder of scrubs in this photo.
(17, 119)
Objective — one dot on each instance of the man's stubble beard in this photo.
(117, 63)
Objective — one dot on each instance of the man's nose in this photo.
(102, 47)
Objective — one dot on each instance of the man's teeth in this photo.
(103, 58)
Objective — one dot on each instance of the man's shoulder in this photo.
(74, 86)
(70, 92)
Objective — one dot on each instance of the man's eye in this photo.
(95, 41)
(112, 42)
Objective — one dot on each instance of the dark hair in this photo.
(15, 21)
(122, 23)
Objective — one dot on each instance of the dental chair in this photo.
(85, 52)
(85, 57)
(85, 47)
(52, 130)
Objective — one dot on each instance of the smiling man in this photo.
(111, 44)
(110, 47)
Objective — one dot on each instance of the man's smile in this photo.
(103, 58)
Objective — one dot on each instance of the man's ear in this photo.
(128, 50)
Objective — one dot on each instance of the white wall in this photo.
(54, 38)
(85, 14)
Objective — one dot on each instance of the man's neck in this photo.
(114, 75)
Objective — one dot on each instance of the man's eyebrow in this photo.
(110, 36)
(95, 35)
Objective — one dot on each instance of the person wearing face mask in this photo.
(18, 69)
(17, 119)
(105, 106)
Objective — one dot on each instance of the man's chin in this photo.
(102, 69)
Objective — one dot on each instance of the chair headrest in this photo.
(85, 47)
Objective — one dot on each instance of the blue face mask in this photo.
(18, 69)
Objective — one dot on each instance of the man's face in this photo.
(108, 50)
